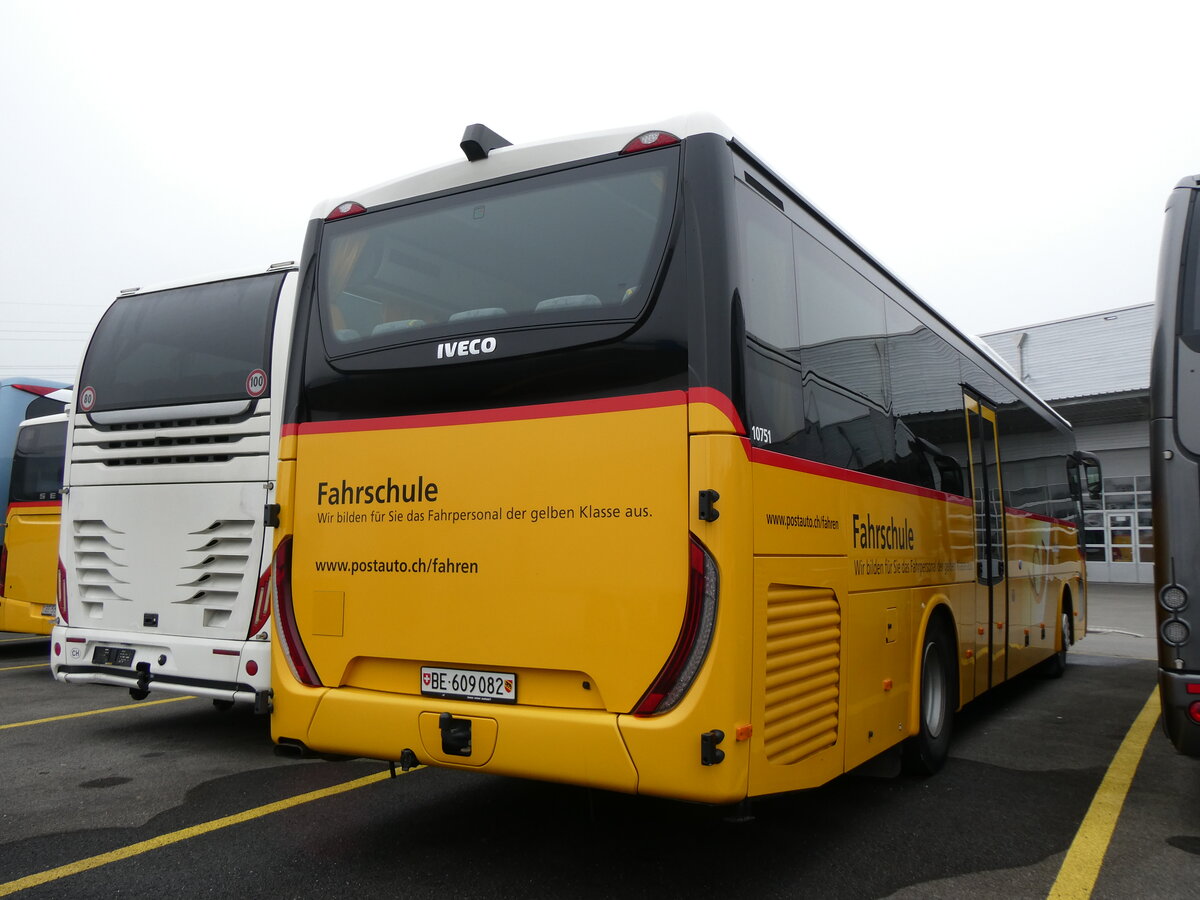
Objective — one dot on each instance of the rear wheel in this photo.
(1056, 666)
(926, 751)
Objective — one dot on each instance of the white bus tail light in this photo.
(1175, 632)
(695, 636)
(262, 605)
(62, 593)
(345, 209)
(1173, 598)
(648, 140)
(285, 618)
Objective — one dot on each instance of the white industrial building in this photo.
(1095, 370)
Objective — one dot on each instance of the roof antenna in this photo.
(479, 140)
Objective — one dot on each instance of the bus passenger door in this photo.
(991, 613)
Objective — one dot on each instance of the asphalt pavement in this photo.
(1120, 621)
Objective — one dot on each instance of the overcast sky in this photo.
(1008, 162)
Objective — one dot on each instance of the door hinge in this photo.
(271, 515)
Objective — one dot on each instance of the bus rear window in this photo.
(195, 344)
(37, 468)
(572, 246)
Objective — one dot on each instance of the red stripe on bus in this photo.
(713, 397)
(795, 464)
(1025, 514)
(504, 414)
(708, 395)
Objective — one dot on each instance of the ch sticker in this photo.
(256, 383)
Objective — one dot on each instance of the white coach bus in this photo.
(169, 491)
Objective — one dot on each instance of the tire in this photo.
(926, 751)
(1056, 666)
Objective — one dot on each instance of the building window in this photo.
(1118, 529)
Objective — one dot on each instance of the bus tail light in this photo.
(62, 592)
(1194, 712)
(285, 618)
(345, 209)
(695, 636)
(262, 603)
(648, 140)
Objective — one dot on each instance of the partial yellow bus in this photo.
(610, 461)
(29, 556)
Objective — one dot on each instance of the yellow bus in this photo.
(29, 556)
(611, 461)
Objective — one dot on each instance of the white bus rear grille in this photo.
(211, 574)
(95, 545)
(125, 453)
(168, 460)
(221, 574)
(803, 662)
(202, 440)
(173, 423)
(173, 442)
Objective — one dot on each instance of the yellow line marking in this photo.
(34, 666)
(1080, 868)
(183, 834)
(32, 637)
(96, 712)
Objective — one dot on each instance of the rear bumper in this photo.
(25, 616)
(1179, 726)
(166, 664)
(576, 746)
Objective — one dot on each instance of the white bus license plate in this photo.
(466, 684)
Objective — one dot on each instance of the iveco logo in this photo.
(466, 348)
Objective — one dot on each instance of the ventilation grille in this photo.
(207, 576)
(219, 573)
(195, 441)
(205, 422)
(804, 630)
(167, 460)
(96, 569)
(216, 439)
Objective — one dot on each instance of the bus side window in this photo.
(926, 398)
(768, 293)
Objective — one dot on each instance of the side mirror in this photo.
(1092, 479)
(1091, 471)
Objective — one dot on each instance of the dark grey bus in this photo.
(1175, 467)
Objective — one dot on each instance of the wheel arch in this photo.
(936, 613)
(1066, 605)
